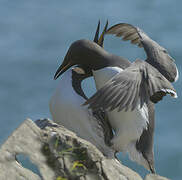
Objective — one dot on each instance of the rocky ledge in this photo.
(58, 154)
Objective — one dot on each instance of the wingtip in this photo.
(171, 92)
(97, 32)
(174, 95)
(152, 168)
(101, 38)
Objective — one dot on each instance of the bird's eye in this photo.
(165, 51)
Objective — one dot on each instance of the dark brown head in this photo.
(87, 54)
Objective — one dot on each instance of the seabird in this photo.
(128, 90)
(128, 97)
(67, 110)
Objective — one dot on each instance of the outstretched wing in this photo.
(156, 54)
(138, 83)
(127, 32)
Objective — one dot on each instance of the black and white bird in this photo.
(66, 107)
(128, 90)
(128, 96)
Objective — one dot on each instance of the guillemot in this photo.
(67, 110)
(133, 129)
(129, 95)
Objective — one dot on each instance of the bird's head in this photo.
(87, 54)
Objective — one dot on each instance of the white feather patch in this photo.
(171, 92)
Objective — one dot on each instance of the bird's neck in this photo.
(76, 84)
(105, 59)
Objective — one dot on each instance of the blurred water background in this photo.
(35, 36)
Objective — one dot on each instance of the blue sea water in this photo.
(34, 38)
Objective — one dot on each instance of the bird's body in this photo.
(127, 91)
(67, 110)
(127, 95)
(127, 125)
(66, 101)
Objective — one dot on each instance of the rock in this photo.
(155, 177)
(58, 154)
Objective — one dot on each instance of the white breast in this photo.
(103, 75)
(66, 109)
(128, 125)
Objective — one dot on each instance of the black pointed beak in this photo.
(62, 69)
(67, 63)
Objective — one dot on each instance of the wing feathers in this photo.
(133, 103)
(127, 32)
(137, 84)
